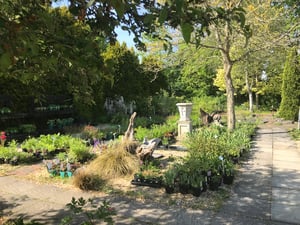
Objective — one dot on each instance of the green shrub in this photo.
(31, 144)
(295, 133)
(214, 141)
(93, 212)
(290, 93)
(78, 151)
(157, 130)
(10, 152)
(209, 104)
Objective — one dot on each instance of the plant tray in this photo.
(149, 184)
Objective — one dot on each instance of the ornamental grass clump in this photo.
(115, 162)
(86, 180)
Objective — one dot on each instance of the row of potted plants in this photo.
(46, 147)
(53, 107)
(27, 128)
(59, 123)
(60, 168)
(150, 175)
(186, 177)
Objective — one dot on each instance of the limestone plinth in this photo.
(184, 123)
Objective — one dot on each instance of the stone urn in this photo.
(185, 110)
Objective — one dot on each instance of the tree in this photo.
(48, 52)
(226, 32)
(290, 87)
(128, 76)
(191, 71)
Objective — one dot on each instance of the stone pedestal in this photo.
(184, 123)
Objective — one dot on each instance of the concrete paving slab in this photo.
(247, 205)
(284, 213)
(241, 219)
(287, 197)
(286, 165)
(282, 156)
(290, 180)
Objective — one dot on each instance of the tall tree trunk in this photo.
(249, 90)
(257, 101)
(230, 95)
(224, 47)
(250, 95)
(256, 95)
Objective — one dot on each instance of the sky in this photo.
(123, 36)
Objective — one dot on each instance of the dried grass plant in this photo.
(85, 180)
(116, 161)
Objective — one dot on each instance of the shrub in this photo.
(116, 161)
(92, 211)
(295, 133)
(157, 130)
(78, 151)
(90, 132)
(86, 180)
(290, 92)
(209, 104)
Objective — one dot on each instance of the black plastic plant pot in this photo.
(184, 189)
(204, 186)
(196, 191)
(213, 186)
(228, 179)
(215, 183)
(146, 182)
(169, 189)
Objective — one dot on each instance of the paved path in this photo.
(266, 191)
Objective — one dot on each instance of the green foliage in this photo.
(20, 221)
(46, 55)
(92, 212)
(209, 104)
(156, 130)
(12, 152)
(295, 133)
(194, 77)
(91, 132)
(89, 211)
(209, 149)
(169, 176)
(78, 151)
(123, 65)
(290, 91)
(208, 144)
(75, 148)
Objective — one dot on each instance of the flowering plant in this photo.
(3, 137)
(92, 132)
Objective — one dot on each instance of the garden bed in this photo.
(123, 186)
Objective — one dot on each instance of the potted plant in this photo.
(169, 180)
(183, 181)
(69, 170)
(3, 137)
(138, 177)
(196, 181)
(63, 169)
(215, 182)
(228, 172)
